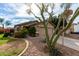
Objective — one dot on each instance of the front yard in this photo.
(5, 40)
(13, 47)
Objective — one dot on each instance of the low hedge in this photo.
(21, 34)
(6, 34)
(32, 31)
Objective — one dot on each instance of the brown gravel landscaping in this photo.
(37, 47)
(66, 51)
(73, 36)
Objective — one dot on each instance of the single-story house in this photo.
(73, 29)
(40, 27)
(30, 23)
(25, 25)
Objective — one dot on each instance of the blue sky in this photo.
(16, 12)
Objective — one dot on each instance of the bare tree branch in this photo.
(38, 6)
(37, 17)
(55, 29)
(68, 26)
(71, 20)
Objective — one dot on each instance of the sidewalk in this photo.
(69, 42)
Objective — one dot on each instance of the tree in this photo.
(66, 5)
(7, 23)
(1, 22)
(43, 8)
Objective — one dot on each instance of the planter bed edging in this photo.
(27, 44)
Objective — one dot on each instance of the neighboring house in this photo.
(76, 27)
(73, 29)
(2, 30)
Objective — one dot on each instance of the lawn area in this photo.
(11, 47)
(4, 40)
(11, 52)
(1, 36)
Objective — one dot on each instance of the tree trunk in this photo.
(3, 28)
(53, 50)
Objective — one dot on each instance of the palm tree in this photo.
(66, 5)
(7, 23)
(1, 22)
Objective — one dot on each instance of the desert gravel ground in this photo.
(36, 47)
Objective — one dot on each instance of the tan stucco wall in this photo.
(41, 31)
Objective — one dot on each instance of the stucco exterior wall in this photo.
(76, 28)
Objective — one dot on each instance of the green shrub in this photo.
(6, 34)
(17, 34)
(21, 33)
(24, 32)
(32, 31)
(1, 36)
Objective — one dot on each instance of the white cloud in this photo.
(22, 11)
